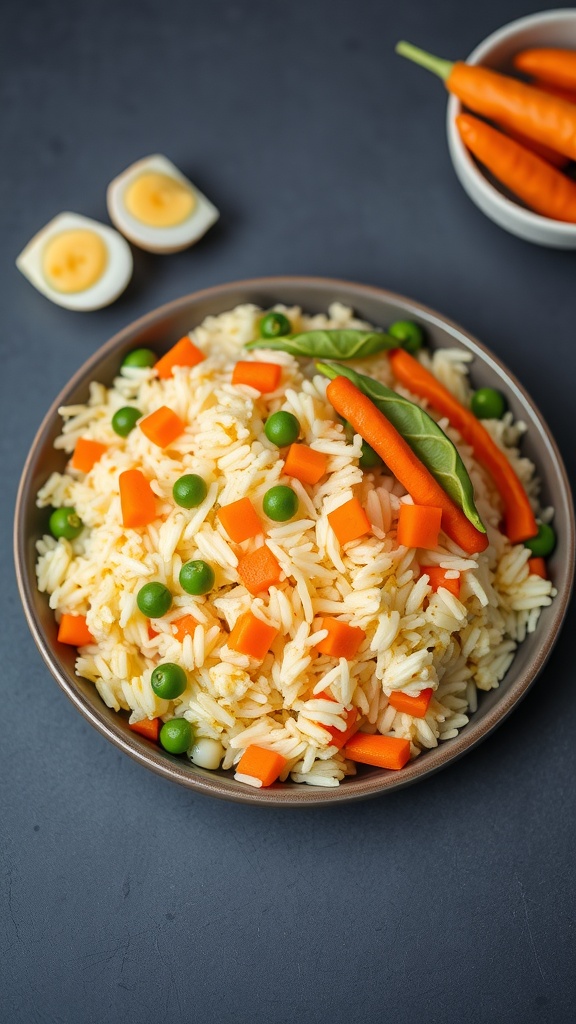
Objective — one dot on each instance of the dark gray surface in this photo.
(128, 899)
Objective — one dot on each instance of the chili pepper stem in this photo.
(439, 67)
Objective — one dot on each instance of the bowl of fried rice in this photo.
(221, 571)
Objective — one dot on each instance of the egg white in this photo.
(106, 289)
(159, 239)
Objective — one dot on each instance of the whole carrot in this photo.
(555, 90)
(553, 157)
(512, 104)
(520, 523)
(553, 65)
(377, 430)
(528, 176)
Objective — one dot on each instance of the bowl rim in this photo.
(560, 230)
(217, 785)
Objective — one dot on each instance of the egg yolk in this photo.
(158, 200)
(74, 260)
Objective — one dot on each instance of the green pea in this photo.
(282, 428)
(196, 577)
(488, 404)
(140, 357)
(274, 325)
(544, 542)
(189, 490)
(280, 503)
(409, 334)
(154, 600)
(176, 736)
(65, 522)
(168, 680)
(125, 419)
(369, 458)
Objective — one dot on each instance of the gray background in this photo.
(128, 899)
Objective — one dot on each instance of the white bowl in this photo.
(550, 28)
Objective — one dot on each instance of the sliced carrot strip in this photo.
(86, 454)
(137, 499)
(519, 517)
(415, 706)
(259, 763)
(349, 521)
(240, 520)
(251, 636)
(305, 464)
(184, 626)
(73, 630)
(264, 377)
(162, 426)
(183, 353)
(148, 727)
(259, 570)
(419, 526)
(537, 567)
(437, 578)
(342, 641)
(381, 751)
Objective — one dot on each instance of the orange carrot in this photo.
(379, 433)
(510, 103)
(537, 567)
(554, 90)
(342, 641)
(263, 765)
(381, 751)
(259, 570)
(415, 706)
(263, 377)
(305, 464)
(184, 626)
(339, 739)
(162, 426)
(86, 454)
(148, 727)
(419, 526)
(550, 155)
(543, 188)
(183, 353)
(251, 636)
(349, 521)
(152, 632)
(240, 520)
(519, 517)
(437, 578)
(555, 66)
(73, 630)
(137, 499)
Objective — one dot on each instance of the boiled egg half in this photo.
(77, 262)
(157, 207)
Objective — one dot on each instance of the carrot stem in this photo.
(436, 65)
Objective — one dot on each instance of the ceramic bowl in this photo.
(160, 329)
(550, 28)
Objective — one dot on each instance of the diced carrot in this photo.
(419, 526)
(381, 751)
(415, 706)
(137, 499)
(152, 632)
(148, 727)
(537, 567)
(73, 630)
(305, 464)
(259, 570)
(183, 353)
(438, 579)
(86, 454)
(240, 520)
(342, 641)
(251, 636)
(259, 763)
(184, 626)
(339, 739)
(263, 377)
(162, 426)
(349, 521)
